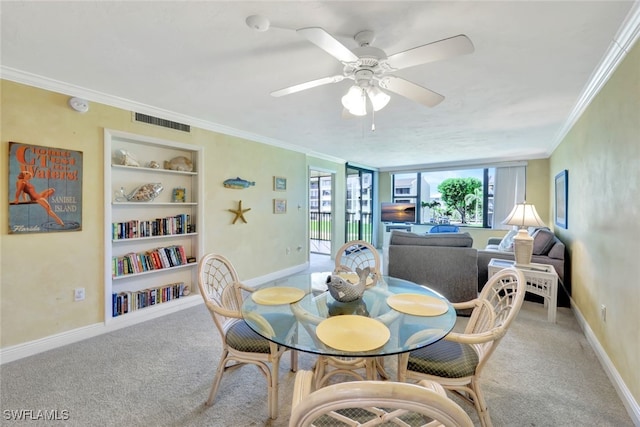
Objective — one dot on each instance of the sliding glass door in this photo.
(359, 204)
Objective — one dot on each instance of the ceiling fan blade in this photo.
(328, 43)
(411, 91)
(307, 85)
(436, 51)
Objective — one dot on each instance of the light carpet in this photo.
(159, 373)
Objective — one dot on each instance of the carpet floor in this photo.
(158, 373)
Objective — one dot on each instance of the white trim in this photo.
(10, 354)
(455, 166)
(633, 409)
(46, 83)
(19, 351)
(627, 35)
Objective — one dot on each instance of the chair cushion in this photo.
(242, 338)
(445, 359)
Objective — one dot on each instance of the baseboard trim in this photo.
(19, 351)
(618, 383)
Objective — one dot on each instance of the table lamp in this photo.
(523, 215)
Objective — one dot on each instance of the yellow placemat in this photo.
(353, 333)
(353, 278)
(277, 295)
(417, 304)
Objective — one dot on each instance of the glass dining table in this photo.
(393, 316)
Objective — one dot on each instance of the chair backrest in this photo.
(444, 228)
(218, 283)
(358, 254)
(498, 304)
(376, 403)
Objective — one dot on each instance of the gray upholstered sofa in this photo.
(445, 262)
(547, 249)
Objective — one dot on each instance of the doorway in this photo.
(359, 206)
(320, 211)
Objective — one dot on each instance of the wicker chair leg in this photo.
(481, 405)
(272, 378)
(218, 378)
(319, 370)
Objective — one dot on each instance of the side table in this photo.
(542, 280)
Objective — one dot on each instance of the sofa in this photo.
(446, 263)
(547, 249)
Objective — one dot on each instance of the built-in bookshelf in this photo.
(152, 214)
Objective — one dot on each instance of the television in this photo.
(398, 212)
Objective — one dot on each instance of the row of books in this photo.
(178, 224)
(126, 302)
(155, 259)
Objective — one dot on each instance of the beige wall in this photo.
(39, 271)
(602, 155)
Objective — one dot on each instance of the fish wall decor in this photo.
(238, 183)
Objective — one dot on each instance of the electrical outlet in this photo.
(603, 312)
(78, 294)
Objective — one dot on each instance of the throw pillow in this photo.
(543, 239)
(506, 244)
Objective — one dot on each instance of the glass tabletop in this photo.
(287, 316)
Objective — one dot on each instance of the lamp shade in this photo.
(355, 101)
(524, 215)
(378, 98)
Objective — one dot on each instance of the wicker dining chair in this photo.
(456, 362)
(373, 403)
(350, 256)
(359, 254)
(222, 293)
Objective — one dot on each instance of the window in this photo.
(466, 197)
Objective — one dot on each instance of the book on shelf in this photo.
(167, 226)
(155, 259)
(128, 301)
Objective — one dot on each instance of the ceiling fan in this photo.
(369, 67)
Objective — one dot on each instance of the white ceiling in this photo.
(199, 63)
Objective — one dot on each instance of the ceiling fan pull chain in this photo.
(373, 120)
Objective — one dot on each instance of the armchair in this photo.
(373, 403)
(456, 362)
(222, 294)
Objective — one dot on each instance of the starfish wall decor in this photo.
(239, 213)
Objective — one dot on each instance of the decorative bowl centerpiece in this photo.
(343, 290)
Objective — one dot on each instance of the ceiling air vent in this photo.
(139, 117)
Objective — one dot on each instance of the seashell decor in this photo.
(179, 163)
(145, 192)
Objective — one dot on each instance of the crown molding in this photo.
(626, 36)
(46, 83)
(624, 39)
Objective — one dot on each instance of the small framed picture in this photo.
(179, 195)
(279, 183)
(279, 206)
(562, 199)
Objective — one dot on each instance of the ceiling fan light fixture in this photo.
(355, 101)
(378, 98)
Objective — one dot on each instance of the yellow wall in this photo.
(39, 271)
(602, 155)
